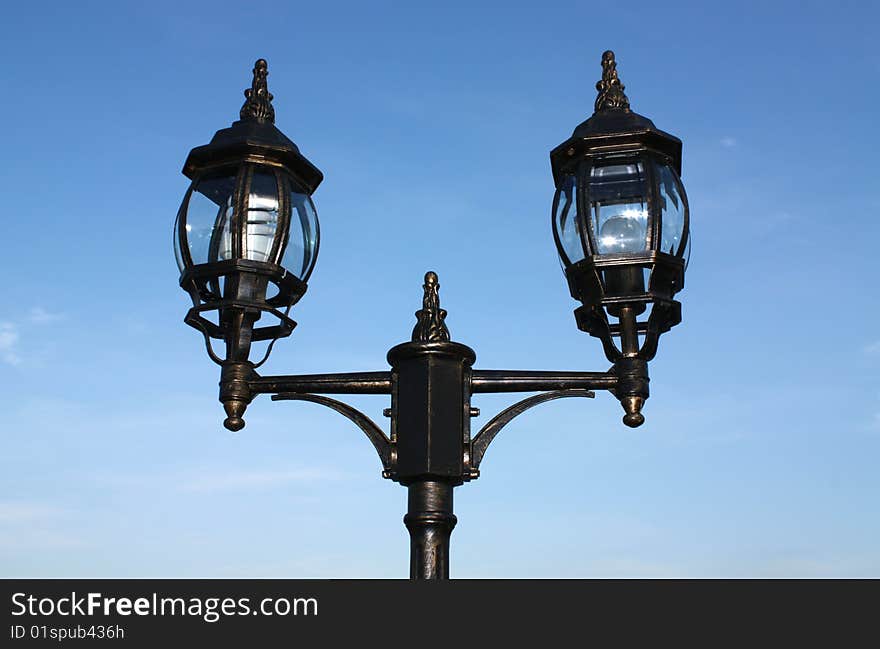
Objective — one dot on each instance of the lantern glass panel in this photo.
(687, 251)
(208, 219)
(176, 240)
(672, 209)
(566, 222)
(262, 217)
(618, 208)
(302, 245)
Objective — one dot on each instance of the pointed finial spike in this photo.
(258, 99)
(431, 327)
(611, 95)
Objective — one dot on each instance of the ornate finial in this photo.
(633, 408)
(431, 327)
(258, 102)
(611, 95)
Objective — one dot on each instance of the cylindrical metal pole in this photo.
(429, 520)
(629, 333)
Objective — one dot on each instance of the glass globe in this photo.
(302, 244)
(280, 222)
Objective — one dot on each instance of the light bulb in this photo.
(624, 232)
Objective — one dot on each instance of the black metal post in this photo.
(430, 522)
(629, 335)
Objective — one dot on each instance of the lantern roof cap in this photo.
(613, 121)
(255, 136)
(613, 125)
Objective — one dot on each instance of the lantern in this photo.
(246, 235)
(620, 223)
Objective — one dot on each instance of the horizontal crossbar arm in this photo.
(342, 383)
(528, 381)
(482, 381)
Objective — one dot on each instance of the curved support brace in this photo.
(490, 430)
(378, 439)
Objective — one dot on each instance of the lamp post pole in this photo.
(430, 522)
(620, 224)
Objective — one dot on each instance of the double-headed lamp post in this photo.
(246, 239)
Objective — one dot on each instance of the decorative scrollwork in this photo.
(490, 430)
(380, 442)
(258, 99)
(611, 95)
(431, 327)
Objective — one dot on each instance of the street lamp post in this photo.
(246, 239)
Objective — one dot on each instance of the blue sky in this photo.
(432, 123)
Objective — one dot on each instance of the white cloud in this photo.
(873, 349)
(623, 568)
(30, 528)
(9, 343)
(11, 512)
(257, 479)
(728, 142)
(10, 338)
(39, 315)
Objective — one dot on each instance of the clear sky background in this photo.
(432, 123)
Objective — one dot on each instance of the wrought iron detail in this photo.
(258, 99)
(611, 95)
(490, 430)
(431, 327)
(377, 438)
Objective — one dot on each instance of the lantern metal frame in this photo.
(236, 289)
(616, 133)
(431, 381)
